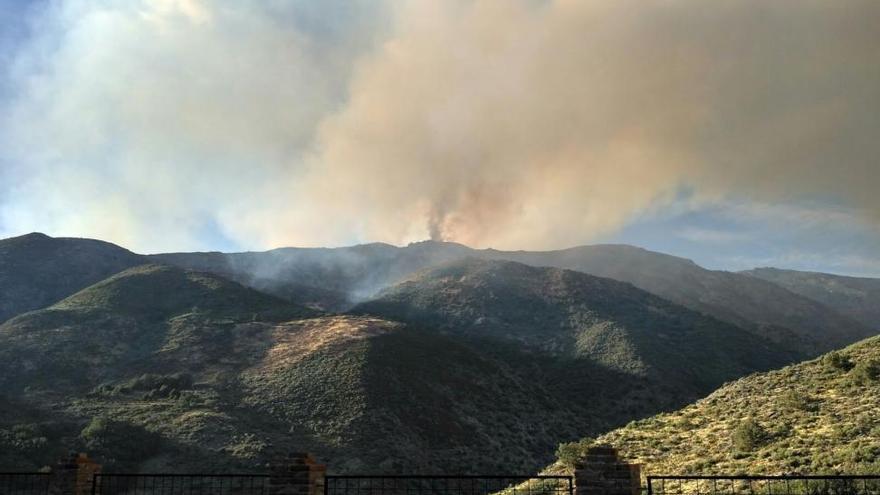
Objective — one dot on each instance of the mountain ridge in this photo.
(765, 308)
(856, 296)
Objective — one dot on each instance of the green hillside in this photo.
(817, 417)
(37, 270)
(197, 372)
(137, 321)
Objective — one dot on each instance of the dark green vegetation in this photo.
(158, 368)
(37, 270)
(201, 371)
(578, 316)
(753, 304)
(458, 365)
(853, 296)
(816, 417)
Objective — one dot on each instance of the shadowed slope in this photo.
(753, 304)
(854, 296)
(574, 315)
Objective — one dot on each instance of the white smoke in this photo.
(515, 124)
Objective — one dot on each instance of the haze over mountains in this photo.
(853, 296)
(358, 272)
(429, 357)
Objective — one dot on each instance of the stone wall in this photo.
(602, 472)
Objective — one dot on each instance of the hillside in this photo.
(198, 372)
(820, 416)
(336, 279)
(136, 321)
(579, 316)
(857, 297)
(330, 279)
(460, 364)
(37, 270)
(748, 302)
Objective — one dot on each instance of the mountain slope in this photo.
(331, 279)
(748, 302)
(37, 270)
(336, 279)
(854, 296)
(196, 371)
(820, 416)
(377, 396)
(579, 316)
(137, 320)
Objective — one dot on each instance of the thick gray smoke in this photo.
(515, 124)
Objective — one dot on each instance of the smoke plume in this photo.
(512, 124)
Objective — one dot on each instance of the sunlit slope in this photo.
(820, 416)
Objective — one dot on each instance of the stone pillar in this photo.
(73, 475)
(602, 472)
(296, 474)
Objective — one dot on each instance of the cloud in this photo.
(142, 121)
(514, 124)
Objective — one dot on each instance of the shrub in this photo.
(153, 386)
(866, 372)
(119, 442)
(569, 453)
(25, 438)
(837, 361)
(798, 402)
(748, 436)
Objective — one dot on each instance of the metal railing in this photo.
(24, 483)
(448, 485)
(180, 484)
(764, 485)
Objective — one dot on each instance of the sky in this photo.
(737, 134)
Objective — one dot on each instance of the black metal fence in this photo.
(180, 484)
(448, 485)
(24, 483)
(763, 485)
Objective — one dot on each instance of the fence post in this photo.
(73, 475)
(602, 472)
(296, 474)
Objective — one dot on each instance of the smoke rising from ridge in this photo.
(514, 124)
